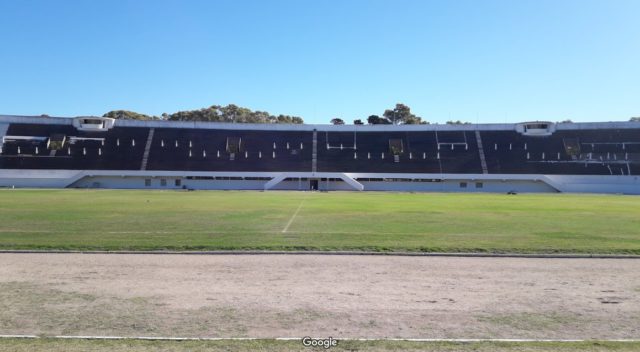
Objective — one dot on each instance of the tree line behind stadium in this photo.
(400, 115)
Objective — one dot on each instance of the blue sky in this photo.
(478, 61)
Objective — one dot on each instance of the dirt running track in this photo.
(299, 295)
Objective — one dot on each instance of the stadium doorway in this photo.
(313, 185)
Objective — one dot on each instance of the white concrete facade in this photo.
(326, 181)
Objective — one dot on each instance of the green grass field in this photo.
(226, 220)
(59, 345)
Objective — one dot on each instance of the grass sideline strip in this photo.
(267, 345)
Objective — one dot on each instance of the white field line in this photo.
(166, 338)
(293, 217)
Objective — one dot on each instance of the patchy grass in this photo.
(59, 345)
(50, 311)
(42, 309)
(534, 324)
(45, 310)
(228, 220)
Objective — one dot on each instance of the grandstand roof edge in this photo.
(311, 127)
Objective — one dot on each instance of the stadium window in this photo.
(463, 185)
(163, 182)
(178, 183)
(479, 185)
(147, 182)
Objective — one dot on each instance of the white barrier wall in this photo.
(38, 178)
(462, 186)
(304, 185)
(138, 182)
(597, 184)
(302, 181)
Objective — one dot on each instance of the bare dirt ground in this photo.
(298, 295)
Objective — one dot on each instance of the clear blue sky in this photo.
(479, 61)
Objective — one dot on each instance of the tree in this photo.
(215, 113)
(232, 114)
(634, 119)
(128, 115)
(358, 122)
(414, 120)
(457, 122)
(566, 121)
(337, 121)
(377, 120)
(236, 114)
(297, 120)
(289, 119)
(401, 114)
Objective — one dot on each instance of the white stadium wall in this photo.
(331, 182)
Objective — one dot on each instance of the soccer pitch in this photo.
(367, 221)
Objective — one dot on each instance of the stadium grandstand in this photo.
(98, 152)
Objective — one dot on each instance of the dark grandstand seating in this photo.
(206, 150)
(420, 153)
(117, 153)
(511, 153)
(575, 152)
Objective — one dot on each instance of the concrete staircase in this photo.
(147, 148)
